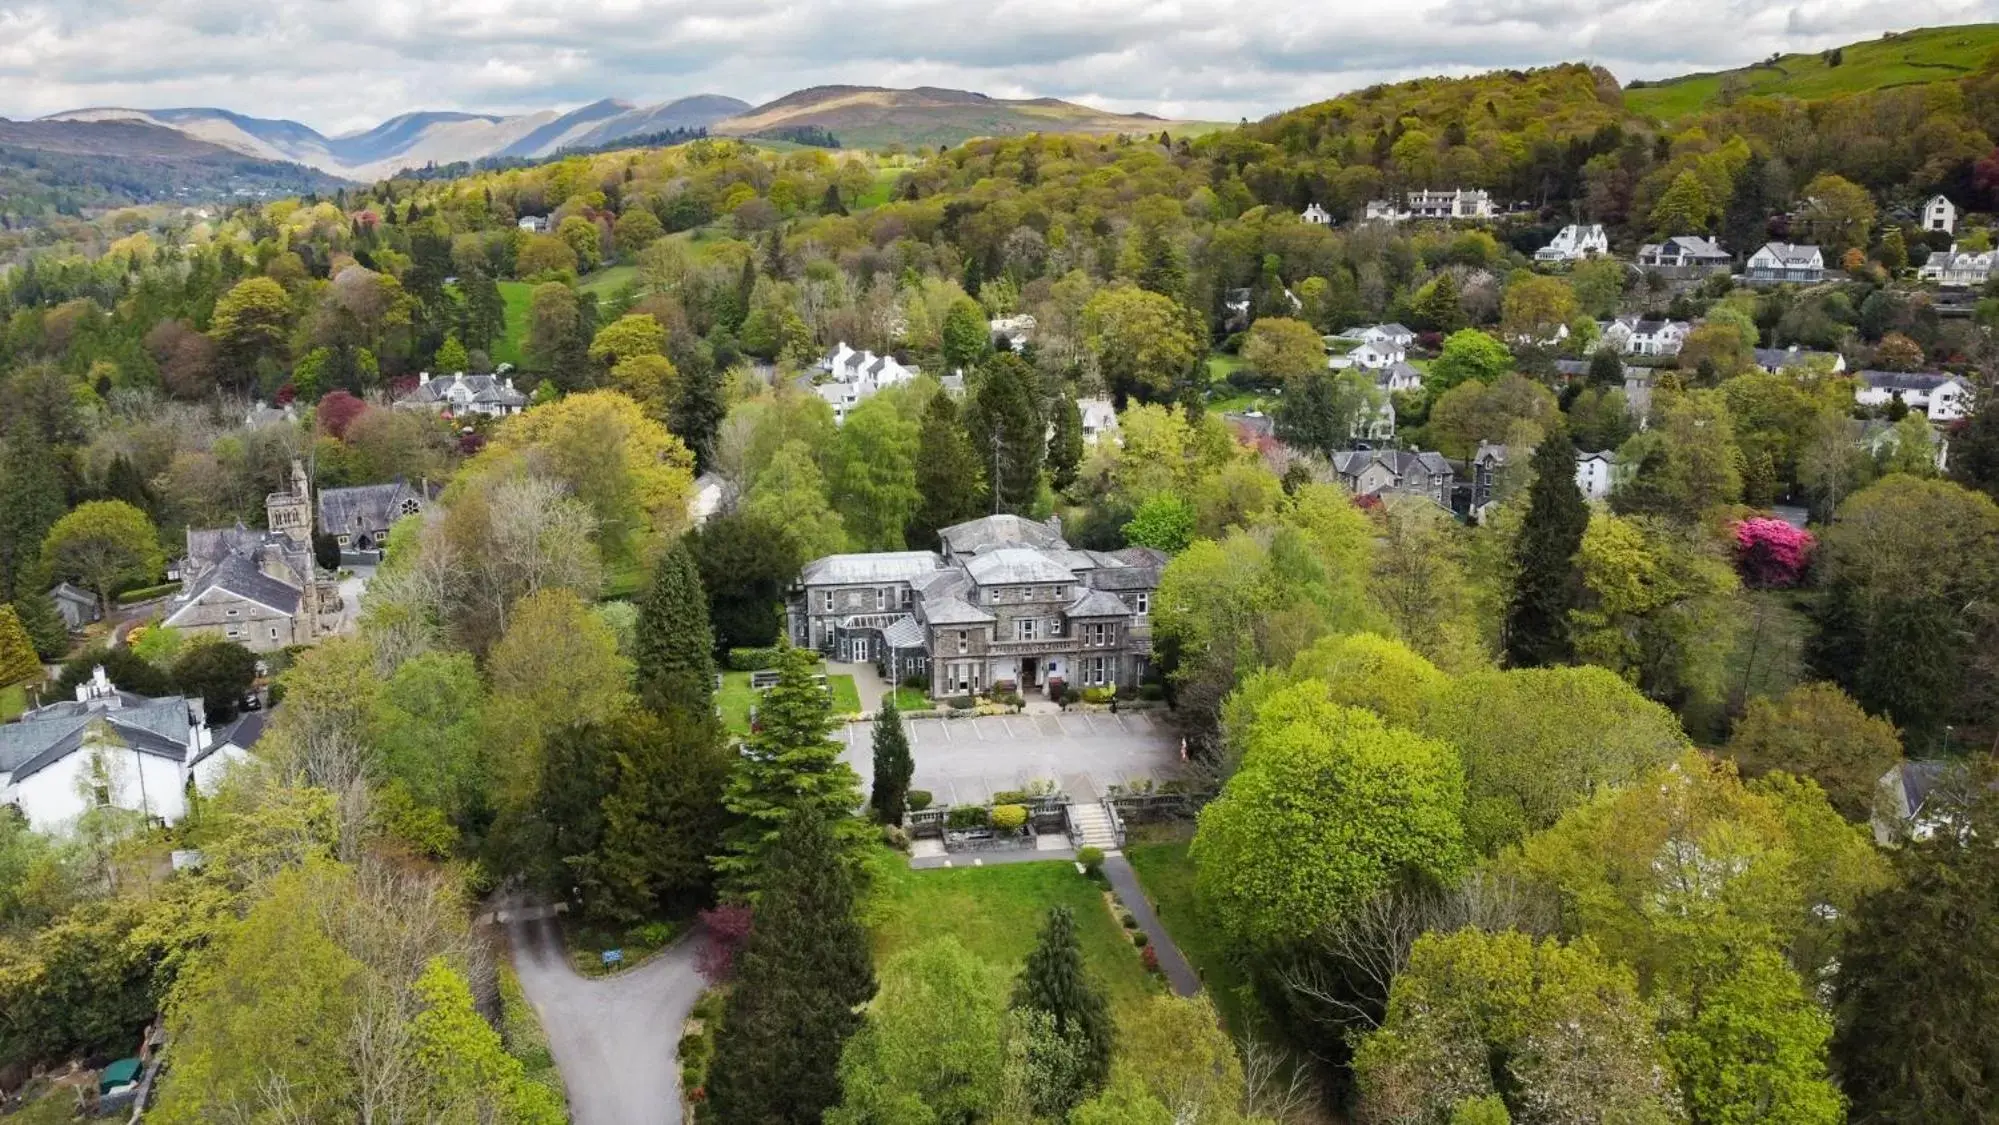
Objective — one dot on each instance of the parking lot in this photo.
(965, 761)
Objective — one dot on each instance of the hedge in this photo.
(751, 659)
(147, 593)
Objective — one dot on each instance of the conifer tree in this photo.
(1054, 981)
(949, 475)
(696, 414)
(799, 982)
(123, 482)
(32, 487)
(44, 625)
(18, 661)
(1008, 434)
(1549, 583)
(1065, 446)
(787, 766)
(1606, 369)
(893, 765)
(675, 649)
(1974, 450)
(661, 813)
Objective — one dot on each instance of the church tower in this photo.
(290, 513)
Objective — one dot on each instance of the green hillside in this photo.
(1931, 54)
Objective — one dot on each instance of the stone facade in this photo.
(259, 589)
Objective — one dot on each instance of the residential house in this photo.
(1942, 398)
(712, 492)
(1914, 799)
(1596, 474)
(1880, 437)
(1398, 376)
(260, 415)
(1016, 331)
(1775, 360)
(1369, 472)
(1099, 419)
(1940, 214)
(1574, 243)
(1461, 203)
(1632, 335)
(76, 607)
(533, 224)
(261, 589)
(1391, 336)
(460, 395)
(359, 518)
(1685, 256)
(104, 748)
(851, 378)
(1370, 356)
(1316, 215)
(1959, 269)
(1784, 261)
(1007, 603)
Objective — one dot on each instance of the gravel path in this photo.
(1172, 962)
(614, 1038)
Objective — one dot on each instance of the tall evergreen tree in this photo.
(1606, 369)
(1974, 449)
(675, 648)
(661, 814)
(123, 482)
(1008, 434)
(1065, 445)
(485, 317)
(788, 765)
(44, 625)
(697, 411)
(1055, 981)
(949, 474)
(799, 982)
(747, 563)
(31, 501)
(893, 765)
(18, 661)
(1549, 583)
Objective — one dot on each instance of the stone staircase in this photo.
(1090, 827)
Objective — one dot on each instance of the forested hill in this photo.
(1924, 57)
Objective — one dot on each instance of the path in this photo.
(614, 1038)
(1172, 962)
(868, 683)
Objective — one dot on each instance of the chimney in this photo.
(510, 382)
(423, 379)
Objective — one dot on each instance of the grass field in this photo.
(1912, 58)
(13, 701)
(509, 347)
(1223, 398)
(607, 282)
(1168, 877)
(736, 698)
(997, 913)
(878, 192)
(911, 699)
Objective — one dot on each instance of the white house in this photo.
(460, 394)
(1942, 398)
(1685, 255)
(1370, 356)
(712, 492)
(534, 224)
(1391, 335)
(1785, 261)
(1016, 330)
(1940, 214)
(105, 747)
(1460, 203)
(1099, 419)
(1575, 242)
(1316, 215)
(1398, 377)
(1595, 473)
(1632, 335)
(1775, 360)
(1954, 268)
(853, 377)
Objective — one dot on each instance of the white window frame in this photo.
(881, 599)
(1027, 629)
(1144, 601)
(825, 601)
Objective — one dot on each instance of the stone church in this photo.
(260, 589)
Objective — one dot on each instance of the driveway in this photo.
(965, 761)
(615, 1038)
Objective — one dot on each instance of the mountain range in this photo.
(862, 116)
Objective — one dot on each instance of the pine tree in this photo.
(1055, 981)
(1065, 446)
(18, 662)
(1606, 369)
(675, 648)
(1438, 308)
(831, 203)
(1549, 584)
(1007, 431)
(696, 414)
(44, 625)
(787, 766)
(799, 982)
(661, 812)
(949, 474)
(123, 482)
(31, 486)
(893, 766)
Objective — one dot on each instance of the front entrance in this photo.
(1030, 674)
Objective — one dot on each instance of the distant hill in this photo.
(874, 116)
(1909, 58)
(69, 167)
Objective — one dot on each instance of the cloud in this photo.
(345, 64)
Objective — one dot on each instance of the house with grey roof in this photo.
(1775, 360)
(1784, 261)
(359, 518)
(1637, 335)
(1370, 472)
(261, 589)
(1916, 798)
(460, 395)
(1959, 269)
(848, 378)
(1685, 256)
(109, 748)
(1574, 243)
(76, 607)
(1941, 398)
(1005, 604)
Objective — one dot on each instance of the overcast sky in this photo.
(341, 65)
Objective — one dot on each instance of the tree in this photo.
(1329, 808)
(637, 228)
(1281, 349)
(1606, 369)
(1164, 523)
(791, 493)
(799, 983)
(46, 628)
(583, 237)
(18, 662)
(950, 476)
(1659, 607)
(1007, 431)
(1323, 410)
(463, 1060)
(1919, 981)
(1816, 730)
(451, 356)
(1771, 553)
(1685, 208)
(221, 673)
(931, 1047)
(1065, 442)
(1974, 455)
(873, 474)
(1141, 340)
(629, 336)
(1536, 307)
(675, 653)
(1173, 1054)
(1439, 305)
(556, 335)
(747, 564)
(31, 481)
(1838, 212)
(1514, 410)
(105, 545)
(1549, 583)
(1055, 981)
(893, 765)
(1469, 355)
(789, 767)
(964, 333)
(1753, 1048)
(1553, 1031)
(250, 327)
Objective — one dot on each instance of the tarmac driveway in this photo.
(965, 761)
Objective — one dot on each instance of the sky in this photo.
(344, 65)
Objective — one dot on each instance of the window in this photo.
(411, 507)
(826, 601)
(232, 612)
(1054, 626)
(908, 597)
(881, 599)
(1094, 671)
(1061, 593)
(103, 795)
(964, 640)
(1027, 629)
(1097, 635)
(274, 632)
(1144, 601)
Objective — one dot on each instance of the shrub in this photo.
(960, 702)
(708, 1008)
(1007, 698)
(1150, 958)
(751, 659)
(966, 816)
(1771, 553)
(1099, 694)
(1127, 921)
(917, 681)
(147, 593)
(652, 934)
(1139, 939)
(1069, 696)
(1152, 693)
(1009, 817)
(918, 799)
(895, 837)
(1092, 859)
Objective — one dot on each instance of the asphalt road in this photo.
(614, 1038)
(965, 761)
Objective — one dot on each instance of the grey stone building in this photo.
(359, 518)
(1006, 604)
(260, 589)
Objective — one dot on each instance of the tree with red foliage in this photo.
(337, 411)
(728, 929)
(1985, 177)
(1771, 554)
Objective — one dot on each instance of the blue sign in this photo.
(614, 956)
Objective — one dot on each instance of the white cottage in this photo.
(1575, 242)
(1940, 214)
(1785, 261)
(1941, 398)
(1316, 215)
(1099, 419)
(1959, 269)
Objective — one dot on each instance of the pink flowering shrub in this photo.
(1772, 554)
(728, 931)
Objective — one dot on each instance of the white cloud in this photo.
(345, 64)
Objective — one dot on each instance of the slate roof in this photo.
(1794, 255)
(1099, 603)
(1688, 245)
(367, 507)
(953, 610)
(1776, 359)
(238, 574)
(861, 570)
(64, 592)
(478, 390)
(1014, 565)
(153, 726)
(1923, 381)
(1402, 462)
(903, 632)
(994, 532)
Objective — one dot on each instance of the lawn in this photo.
(13, 701)
(1918, 57)
(911, 699)
(1168, 877)
(997, 913)
(608, 282)
(508, 349)
(735, 699)
(878, 191)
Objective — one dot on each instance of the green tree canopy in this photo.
(105, 545)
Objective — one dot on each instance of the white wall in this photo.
(51, 799)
